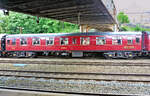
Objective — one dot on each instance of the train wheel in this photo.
(108, 56)
(31, 54)
(129, 58)
(130, 55)
(14, 55)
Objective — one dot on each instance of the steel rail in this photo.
(76, 63)
(74, 78)
(75, 73)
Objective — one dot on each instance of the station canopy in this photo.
(99, 14)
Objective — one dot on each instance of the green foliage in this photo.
(11, 24)
(124, 29)
(123, 18)
(137, 28)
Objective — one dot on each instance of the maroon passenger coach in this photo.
(111, 45)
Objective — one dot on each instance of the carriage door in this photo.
(3, 43)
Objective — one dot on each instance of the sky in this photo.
(133, 9)
(132, 5)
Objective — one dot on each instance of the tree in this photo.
(11, 24)
(123, 18)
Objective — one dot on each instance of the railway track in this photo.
(73, 75)
(28, 85)
(60, 92)
(76, 63)
(12, 73)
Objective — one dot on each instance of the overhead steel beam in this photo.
(74, 11)
(65, 6)
(70, 9)
(70, 13)
(47, 5)
(82, 17)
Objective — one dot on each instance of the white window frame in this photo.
(9, 42)
(64, 38)
(81, 42)
(36, 44)
(26, 41)
(75, 40)
(130, 38)
(15, 41)
(139, 40)
(116, 38)
(49, 38)
(100, 38)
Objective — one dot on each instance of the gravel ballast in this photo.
(91, 86)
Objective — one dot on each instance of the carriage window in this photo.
(36, 41)
(14, 41)
(100, 40)
(85, 40)
(23, 41)
(8, 42)
(74, 41)
(129, 40)
(64, 41)
(116, 40)
(137, 40)
(49, 41)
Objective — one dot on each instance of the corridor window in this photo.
(116, 40)
(14, 41)
(129, 40)
(100, 40)
(36, 41)
(64, 41)
(23, 41)
(50, 41)
(85, 40)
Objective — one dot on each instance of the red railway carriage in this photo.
(112, 45)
